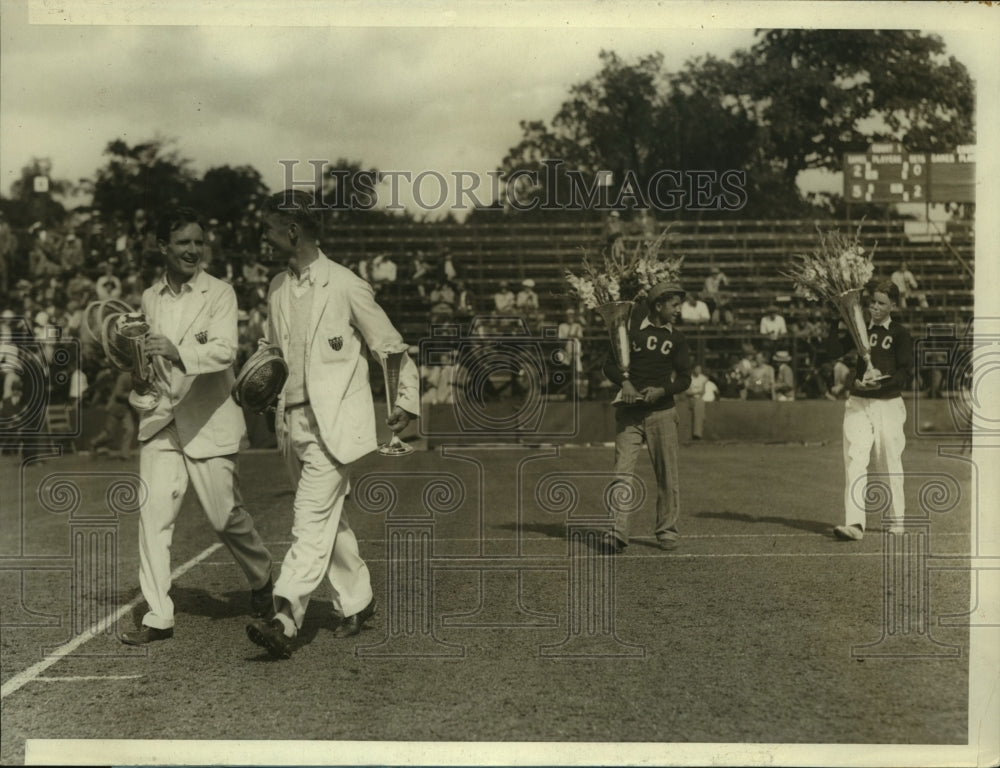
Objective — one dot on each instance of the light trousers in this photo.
(323, 543)
(166, 470)
(873, 434)
(659, 428)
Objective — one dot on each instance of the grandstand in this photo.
(751, 253)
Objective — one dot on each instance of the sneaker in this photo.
(849, 532)
(666, 544)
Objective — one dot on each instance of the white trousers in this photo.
(166, 470)
(323, 543)
(873, 433)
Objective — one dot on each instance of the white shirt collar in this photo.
(885, 324)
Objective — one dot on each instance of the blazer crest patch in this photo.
(202, 337)
(336, 343)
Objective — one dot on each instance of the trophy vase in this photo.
(391, 364)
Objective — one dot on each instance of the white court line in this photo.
(35, 670)
(85, 678)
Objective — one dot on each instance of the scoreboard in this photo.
(888, 173)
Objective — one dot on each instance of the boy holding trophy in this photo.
(322, 316)
(875, 413)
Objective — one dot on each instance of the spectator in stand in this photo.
(448, 270)
(108, 286)
(8, 247)
(571, 329)
(118, 421)
(80, 288)
(716, 299)
(257, 320)
(694, 311)
(904, 280)
(254, 273)
(526, 303)
(772, 328)
(73, 320)
(465, 302)
(760, 382)
(42, 260)
(139, 242)
(442, 301)
(784, 378)
(71, 254)
(843, 369)
(695, 397)
(504, 300)
(383, 273)
(732, 380)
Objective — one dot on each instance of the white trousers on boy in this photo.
(873, 433)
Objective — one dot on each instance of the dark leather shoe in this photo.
(271, 636)
(145, 635)
(261, 601)
(351, 626)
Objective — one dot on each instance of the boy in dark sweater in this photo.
(660, 368)
(875, 413)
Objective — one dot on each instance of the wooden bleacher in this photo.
(751, 253)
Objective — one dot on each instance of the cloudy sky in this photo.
(426, 86)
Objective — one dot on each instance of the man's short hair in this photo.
(295, 205)
(175, 218)
(887, 287)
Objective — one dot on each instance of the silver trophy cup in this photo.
(391, 364)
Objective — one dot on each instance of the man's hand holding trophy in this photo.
(124, 335)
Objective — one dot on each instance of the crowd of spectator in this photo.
(50, 274)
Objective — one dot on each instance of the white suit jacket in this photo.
(343, 319)
(197, 397)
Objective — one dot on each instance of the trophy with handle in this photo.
(391, 364)
(122, 333)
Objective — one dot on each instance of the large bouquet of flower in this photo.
(838, 265)
(837, 271)
(623, 275)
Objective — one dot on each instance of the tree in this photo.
(226, 193)
(819, 93)
(148, 175)
(28, 205)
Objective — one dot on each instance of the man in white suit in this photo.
(194, 432)
(323, 316)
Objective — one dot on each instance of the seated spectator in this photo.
(907, 284)
(80, 288)
(694, 311)
(254, 272)
(108, 286)
(784, 379)
(504, 300)
(465, 302)
(733, 380)
(772, 327)
(42, 260)
(760, 383)
(442, 303)
(449, 271)
(71, 254)
(717, 301)
(571, 329)
(526, 303)
(843, 376)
